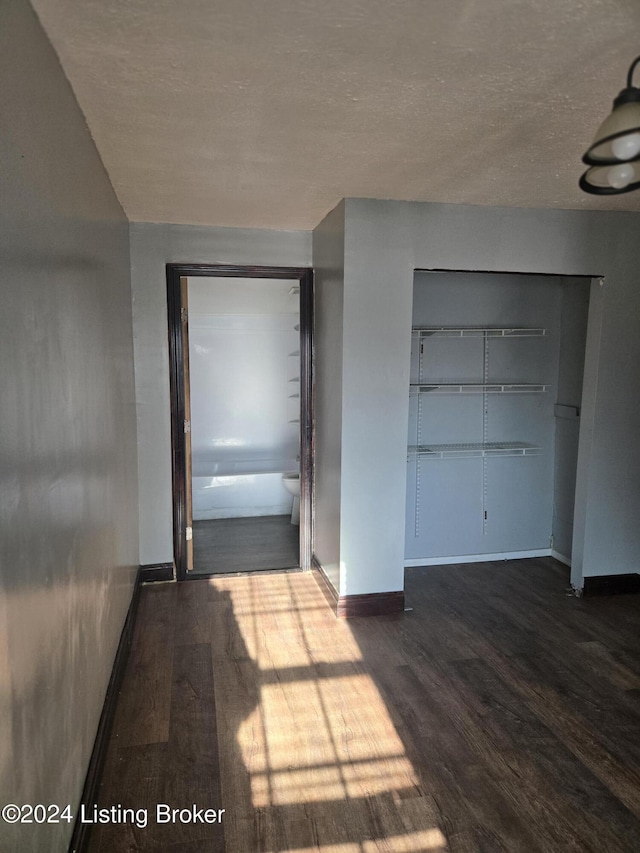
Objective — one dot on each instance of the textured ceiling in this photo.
(265, 113)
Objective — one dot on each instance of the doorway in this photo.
(241, 395)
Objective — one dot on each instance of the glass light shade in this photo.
(622, 129)
(626, 147)
(610, 179)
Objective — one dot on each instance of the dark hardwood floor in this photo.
(500, 714)
(245, 544)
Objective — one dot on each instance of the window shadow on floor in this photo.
(499, 715)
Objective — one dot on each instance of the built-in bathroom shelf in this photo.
(477, 332)
(473, 450)
(477, 388)
(295, 290)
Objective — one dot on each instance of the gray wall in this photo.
(385, 242)
(67, 425)
(152, 247)
(573, 338)
(328, 263)
(377, 345)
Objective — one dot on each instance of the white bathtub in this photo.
(242, 488)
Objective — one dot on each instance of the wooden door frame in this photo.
(303, 275)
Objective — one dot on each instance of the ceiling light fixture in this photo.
(614, 157)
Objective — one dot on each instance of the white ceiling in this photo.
(265, 113)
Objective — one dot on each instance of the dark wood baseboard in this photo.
(328, 590)
(351, 606)
(611, 584)
(156, 572)
(373, 604)
(80, 838)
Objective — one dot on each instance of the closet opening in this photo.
(500, 409)
(241, 373)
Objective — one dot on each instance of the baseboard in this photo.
(80, 837)
(327, 588)
(610, 584)
(371, 604)
(156, 572)
(561, 558)
(350, 606)
(477, 558)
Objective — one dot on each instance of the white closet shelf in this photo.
(462, 451)
(477, 388)
(477, 331)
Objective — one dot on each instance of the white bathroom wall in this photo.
(245, 395)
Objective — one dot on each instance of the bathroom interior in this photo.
(244, 373)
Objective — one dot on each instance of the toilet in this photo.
(291, 481)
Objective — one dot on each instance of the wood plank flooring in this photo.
(499, 715)
(250, 544)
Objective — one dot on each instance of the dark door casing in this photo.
(178, 368)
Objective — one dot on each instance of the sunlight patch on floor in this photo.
(414, 842)
(318, 736)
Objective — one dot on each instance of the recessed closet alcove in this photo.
(495, 406)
